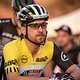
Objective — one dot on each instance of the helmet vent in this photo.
(30, 9)
(42, 9)
(38, 9)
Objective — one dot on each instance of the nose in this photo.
(40, 29)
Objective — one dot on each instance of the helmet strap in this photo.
(26, 36)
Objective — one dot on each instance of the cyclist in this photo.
(8, 26)
(29, 57)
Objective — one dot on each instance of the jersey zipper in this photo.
(33, 62)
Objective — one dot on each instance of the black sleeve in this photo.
(1, 29)
(60, 58)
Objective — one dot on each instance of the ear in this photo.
(23, 30)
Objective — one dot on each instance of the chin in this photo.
(62, 45)
(40, 42)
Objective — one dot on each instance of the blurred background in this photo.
(60, 11)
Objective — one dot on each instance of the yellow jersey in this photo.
(18, 58)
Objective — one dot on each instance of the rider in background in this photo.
(28, 57)
(8, 26)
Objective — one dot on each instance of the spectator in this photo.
(66, 43)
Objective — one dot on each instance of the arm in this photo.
(15, 76)
(48, 69)
(74, 71)
(65, 64)
(47, 72)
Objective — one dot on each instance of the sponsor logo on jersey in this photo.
(11, 69)
(31, 72)
(11, 62)
(24, 59)
(41, 59)
(64, 57)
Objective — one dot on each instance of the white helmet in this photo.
(30, 13)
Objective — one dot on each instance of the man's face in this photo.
(37, 31)
(63, 38)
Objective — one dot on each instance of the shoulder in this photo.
(12, 44)
(49, 43)
(78, 47)
(49, 46)
(4, 20)
(11, 49)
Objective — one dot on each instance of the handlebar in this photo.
(61, 76)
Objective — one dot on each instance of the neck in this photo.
(32, 47)
(67, 47)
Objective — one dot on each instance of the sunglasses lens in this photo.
(37, 25)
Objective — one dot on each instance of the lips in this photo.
(42, 35)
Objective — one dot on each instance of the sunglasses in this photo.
(36, 25)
